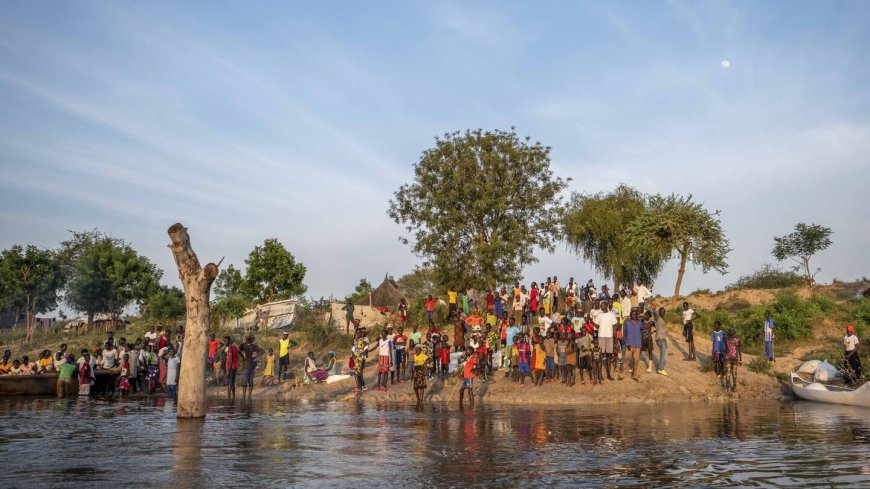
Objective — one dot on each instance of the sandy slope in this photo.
(687, 382)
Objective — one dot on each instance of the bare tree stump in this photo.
(197, 287)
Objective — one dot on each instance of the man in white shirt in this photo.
(151, 336)
(626, 304)
(606, 321)
(688, 327)
(852, 372)
(172, 376)
(642, 293)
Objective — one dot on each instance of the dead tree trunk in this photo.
(197, 286)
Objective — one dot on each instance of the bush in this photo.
(702, 292)
(861, 313)
(768, 277)
(759, 365)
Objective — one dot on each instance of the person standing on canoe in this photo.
(853, 361)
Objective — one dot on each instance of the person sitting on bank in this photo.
(311, 370)
(333, 367)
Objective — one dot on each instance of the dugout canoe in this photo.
(46, 384)
(814, 391)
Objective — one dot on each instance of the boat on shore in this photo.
(831, 394)
(46, 384)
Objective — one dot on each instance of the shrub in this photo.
(768, 277)
(702, 292)
(861, 313)
(759, 365)
(704, 320)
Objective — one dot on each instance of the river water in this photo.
(99, 443)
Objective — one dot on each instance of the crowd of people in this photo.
(541, 334)
(148, 364)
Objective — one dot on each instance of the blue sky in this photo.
(297, 121)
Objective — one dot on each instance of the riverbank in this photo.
(687, 381)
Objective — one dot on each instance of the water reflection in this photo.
(338, 444)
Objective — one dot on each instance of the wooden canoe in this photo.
(46, 384)
(814, 391)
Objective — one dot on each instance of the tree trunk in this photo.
(683, 257)
(197, 287)
(90, 321)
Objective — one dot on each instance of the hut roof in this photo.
(386, 295)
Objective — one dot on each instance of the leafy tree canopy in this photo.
(595, 228)
(165, 305)
(362, 289)
(676, 226)
(30, 281)
(480, 202)
(229, 282)
(106, 273)
(419, 284)
(800, 245)
(273, 274)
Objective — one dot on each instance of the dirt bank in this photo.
(687, 381)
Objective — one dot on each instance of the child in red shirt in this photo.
(468, 377)
(444, 357)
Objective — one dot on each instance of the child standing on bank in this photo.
(444, 358)
(269, 370)
(468, 377)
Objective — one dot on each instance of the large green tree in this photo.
(800, 245)
(31, 280)
(106, 274)
(273, 273)
(595, 228)
(479, 205)
(165, 305)
(679, 227)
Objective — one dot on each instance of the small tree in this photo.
(479, 205)
(595, 228)
(106, 274)
(676, 226)
(165, 305)
(273, 273)
(230, 300)
(229, 282)
(801, 245)
(361, 290)
(30, 281)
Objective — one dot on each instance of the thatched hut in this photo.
(376, 307)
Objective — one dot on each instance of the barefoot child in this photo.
(420, 361)
(584, 355)
(524, 357)
(562, 357)
(444, 358)
(468, 377)
(269, 370)
(596, 364)
(124, 376)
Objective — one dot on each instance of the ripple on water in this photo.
(338, 444)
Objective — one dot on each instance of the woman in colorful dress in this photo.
(420, 360)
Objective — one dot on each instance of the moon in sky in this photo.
(725, 64)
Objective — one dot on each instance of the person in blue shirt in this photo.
(718, 338)
(632, 334)
(768, 336)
